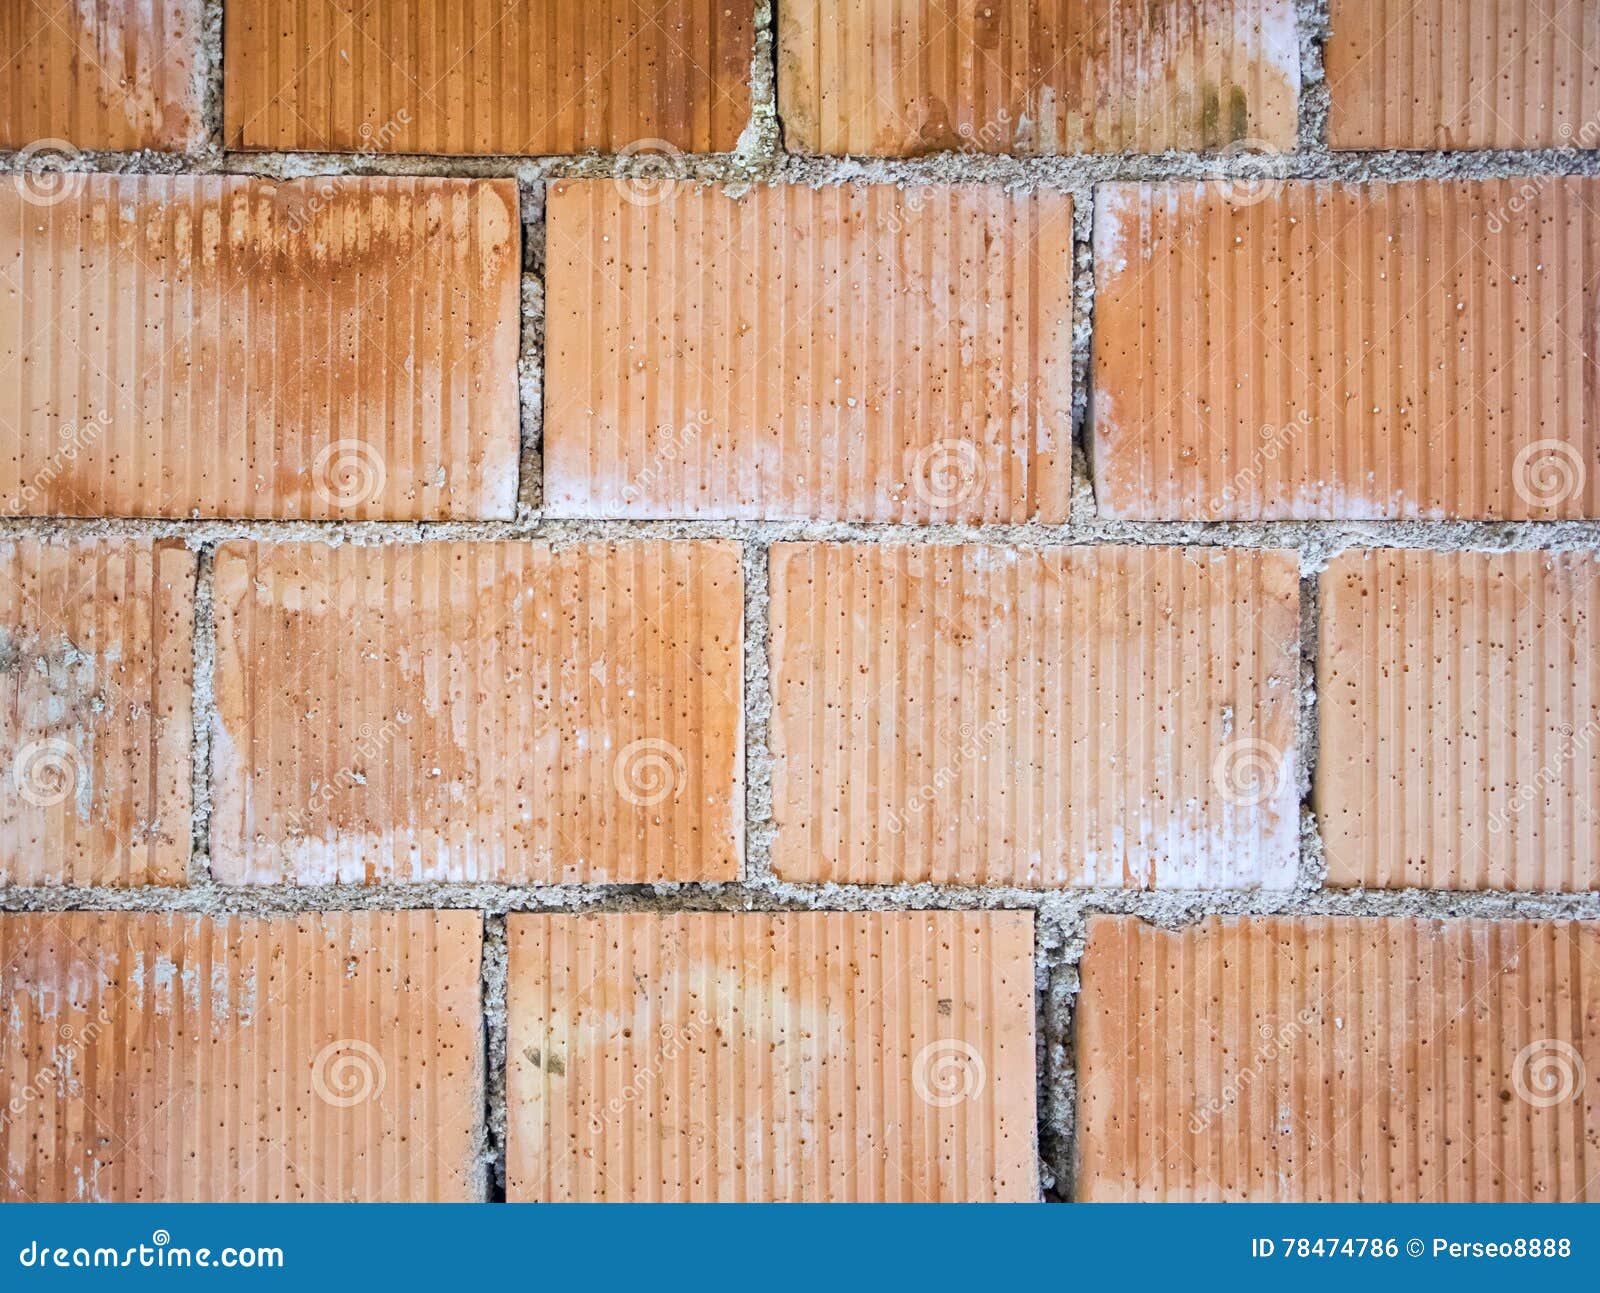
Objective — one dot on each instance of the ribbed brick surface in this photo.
(1036, 76)
(95, 651)
(1082, 716)
(1460, 720)
(1454, 74)
(488, 76)
(862, 352)
(478, 711)
(1331, 1059)
(222, 346)
(99, 74)
(751, 1057)
(169, 1057)
(1319, 350)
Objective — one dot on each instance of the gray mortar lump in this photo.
(1061, 916)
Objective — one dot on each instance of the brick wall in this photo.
(562, 638)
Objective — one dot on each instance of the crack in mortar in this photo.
(1061, 916)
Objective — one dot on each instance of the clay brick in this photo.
(748, 1057)
(1339, 1060)
(478, 711)
(1083, 716)
(1460, 719)
(1448, 74)
(223, 346)
(898, 77)
(514, 76)
(95, 651)
(100, 74)
(328, 1057)
(1318, 350)
(863, 352)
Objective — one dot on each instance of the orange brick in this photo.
(515, 76)
(745, 1057)
(1319, 350)
(1460, 717)
(1448, 74)
(328, 1057)
(860, 352)
(100, 74)
(478, 711)
(1037, 76)
(1079, 716)
(95, 650)
(1339, 1060)
(222, 346)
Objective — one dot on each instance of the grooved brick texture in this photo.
(325, 1057)
(1083, 716)
(492, 711)
(897, 77)
(95, 721)
(747, 1057)
(1460, 709)
(1339, 1060)
(857, 352)
(99, 74)
(334, 349)
(1319, 350)
(488, 76)
(1463, 74)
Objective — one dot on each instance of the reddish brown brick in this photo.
(95, 651)
(1460, 720)
(1318, 350)
(744, 1057)
(864, 352)
(1454, 74)
(514, 76)
(1037, 76)
(99, 74)
(478, 711)
(329, 1057)
(1339, 1060)
(336, 349)
(1079, 716)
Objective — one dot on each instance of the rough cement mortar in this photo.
(1061, 915)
